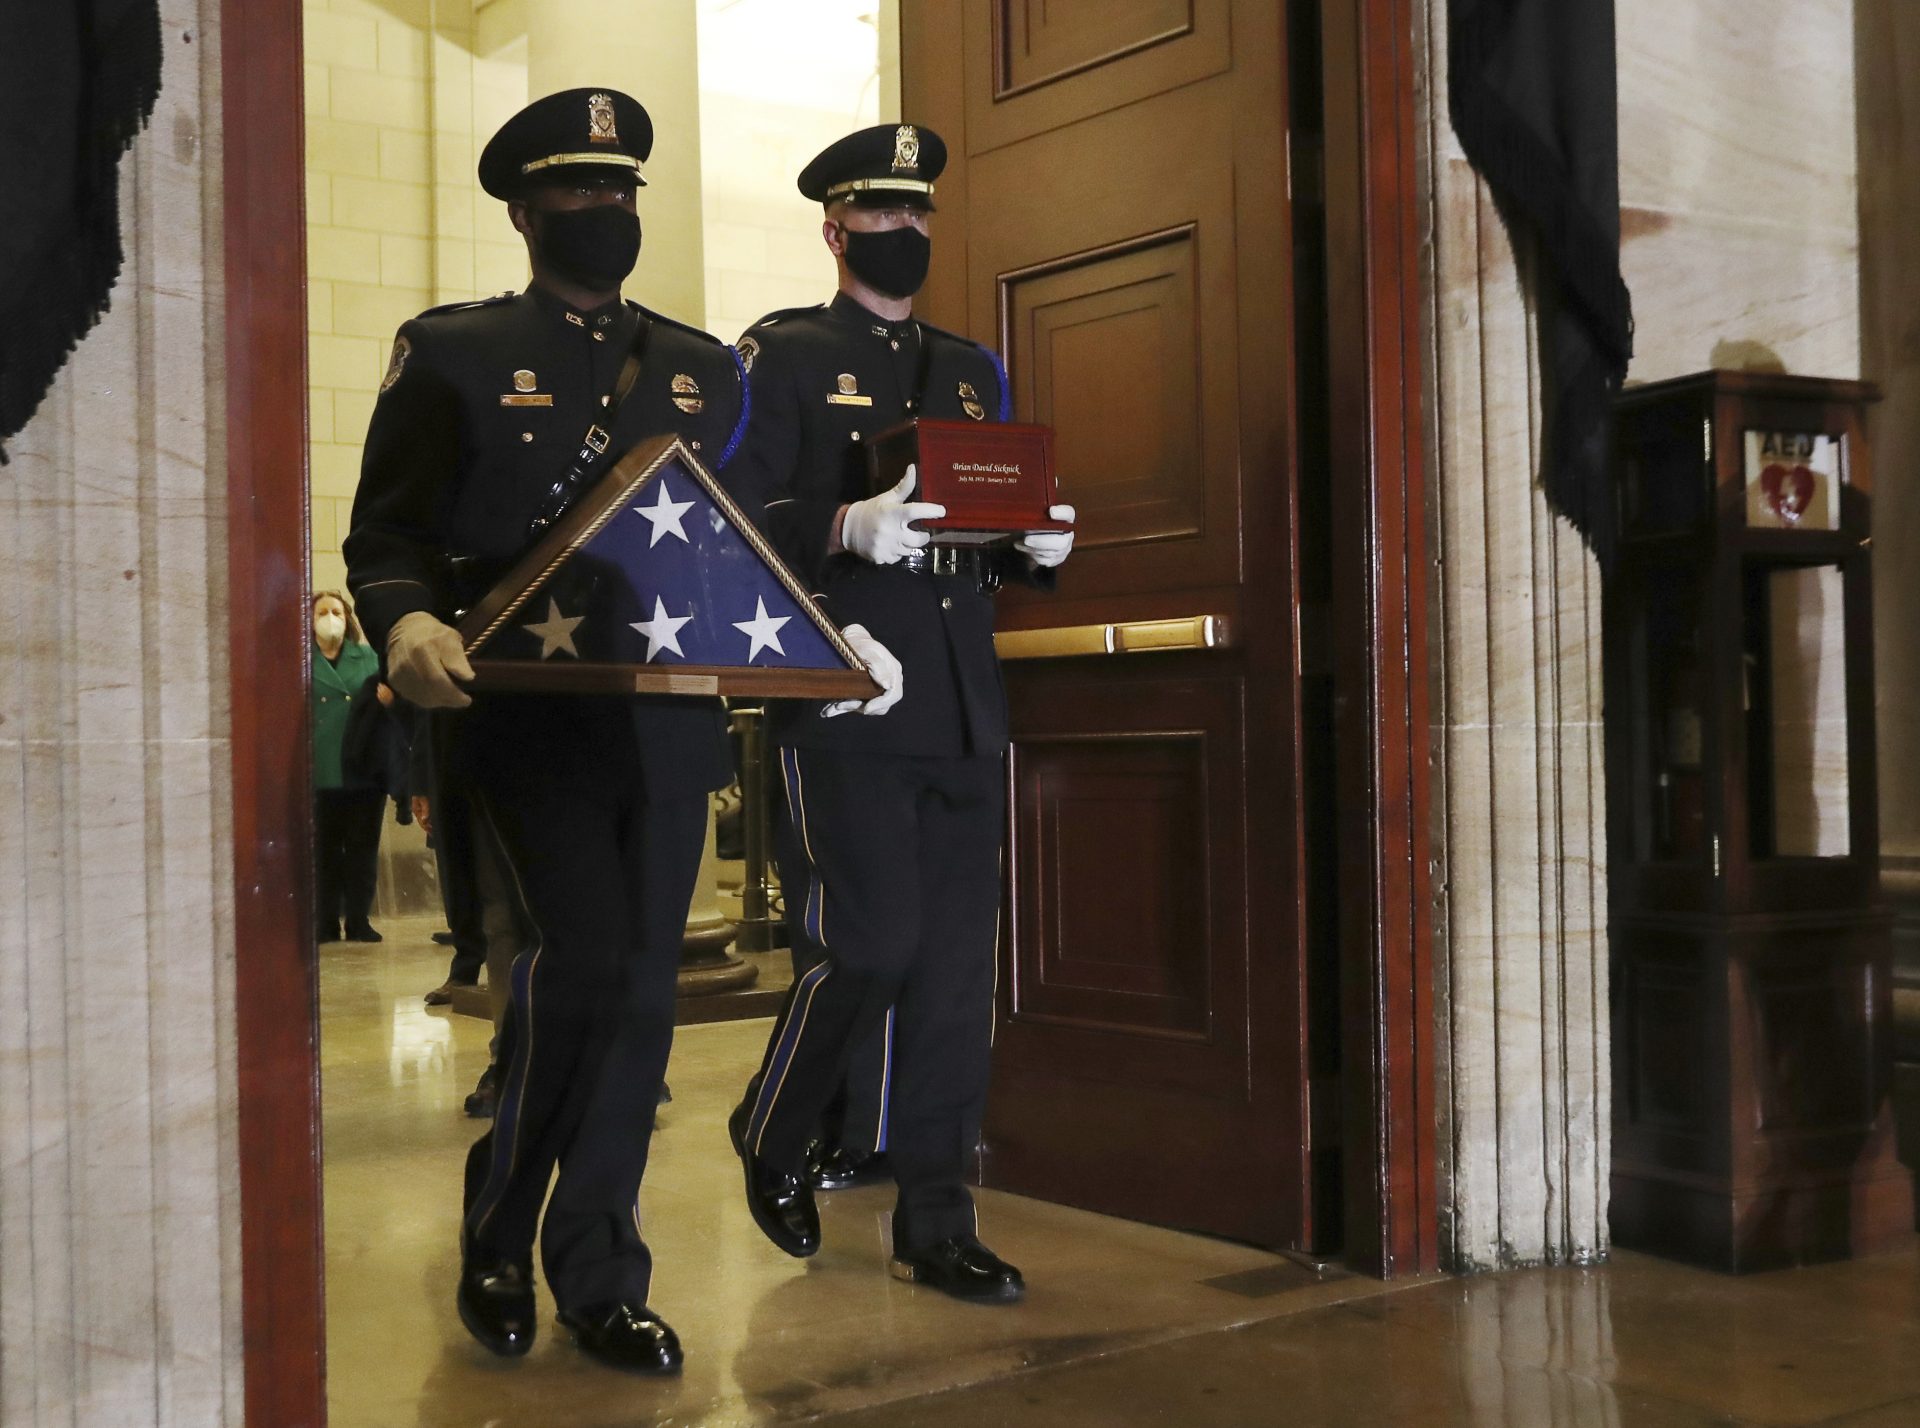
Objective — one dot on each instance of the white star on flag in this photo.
(555, 632)
(665, 515)
(763, 630)
(662, 631)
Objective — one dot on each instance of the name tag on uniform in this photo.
(526, 399)
(847, 393)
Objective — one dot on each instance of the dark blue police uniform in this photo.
(898, 820)
(600, 803)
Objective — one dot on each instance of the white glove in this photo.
(1048, 548)
(878, 529)
(884, 668)
(424, 657)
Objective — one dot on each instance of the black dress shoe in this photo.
(624, 1337)
(496, 1301)
(445, 939)
(963, 1267)
(324, 933)
(838, 1168)
(363, 932)
(781, 1204)
(485, 1095)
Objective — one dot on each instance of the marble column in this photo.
(1520, 878)
(649, 48)
(119, 1197)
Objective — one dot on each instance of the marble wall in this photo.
(1740, 244)
(119, 1202)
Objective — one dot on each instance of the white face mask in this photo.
(330, 628)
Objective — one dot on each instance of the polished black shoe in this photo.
(485, 1095)
(444, 939)
(363, 932)
(324, 933)
(496, 1301)
(623, 1337)
(963, 1267)
(837, 1168)
(781, 1204)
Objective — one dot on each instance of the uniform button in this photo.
(696, 446)
(856, 436)
(946, 602)
(526, 436)
(894, 345)
(606, 401)
(599, 337)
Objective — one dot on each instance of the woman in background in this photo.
(346, 810)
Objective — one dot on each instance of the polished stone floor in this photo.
(1123, 1324)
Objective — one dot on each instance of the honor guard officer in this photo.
(899, 820)
(599, 803)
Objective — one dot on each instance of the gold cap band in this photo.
(554, 161)
(897, 185)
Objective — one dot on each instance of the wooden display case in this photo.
(1751, 1000)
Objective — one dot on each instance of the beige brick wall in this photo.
(395, 222)
(763, 248)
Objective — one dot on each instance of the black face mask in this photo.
(594, 247)
(893, 261)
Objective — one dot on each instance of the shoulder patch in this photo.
(402, 348)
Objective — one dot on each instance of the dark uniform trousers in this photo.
(455, 857)
(898, 818)
(602, 868)
(855, 1117)
(597, 804)
(902, 854)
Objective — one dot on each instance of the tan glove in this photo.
(424, 657)
(884, 668)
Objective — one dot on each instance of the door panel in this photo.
(1114, 218)
(1138, 790)
(1086, 327)
(1036, 65)
(1119, 316)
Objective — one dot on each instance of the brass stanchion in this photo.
(759, 930)
(706, 966)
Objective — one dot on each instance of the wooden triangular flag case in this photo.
(655, 582)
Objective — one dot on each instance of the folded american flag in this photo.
(655, 582)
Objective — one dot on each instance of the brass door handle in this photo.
(1189, 632)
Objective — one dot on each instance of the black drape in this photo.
(78, 79)
(1533, 98)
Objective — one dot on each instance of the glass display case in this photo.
(1751, 1000)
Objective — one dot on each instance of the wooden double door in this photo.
(1115, 219)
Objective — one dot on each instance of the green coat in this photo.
(335, 686)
